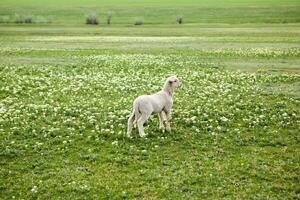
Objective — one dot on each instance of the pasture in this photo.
(66, 92)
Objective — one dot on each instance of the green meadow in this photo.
(66, 92)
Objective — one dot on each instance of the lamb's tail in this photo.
(136, 111)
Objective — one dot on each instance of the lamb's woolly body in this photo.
(152, 103)
(160, 102)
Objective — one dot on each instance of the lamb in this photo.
(160, 103)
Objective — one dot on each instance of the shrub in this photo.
(28, 20)
(109, 16)
(18, 19)
(179, 19)
(138, 21)
(4, 19)
(21, 19)
(92, 19)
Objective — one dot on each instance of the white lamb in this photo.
(160, 102)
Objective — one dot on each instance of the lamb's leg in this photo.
(130, 124)
(168, 125)
(141, 122)
(161, 121)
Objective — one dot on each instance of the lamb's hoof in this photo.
(161, 128)
(168, 129)
(143, 135)
(129, 135)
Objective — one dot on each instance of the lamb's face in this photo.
(174, 82)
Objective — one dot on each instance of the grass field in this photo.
(66, 91)
(124, 12)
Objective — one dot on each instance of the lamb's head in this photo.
(172, 83)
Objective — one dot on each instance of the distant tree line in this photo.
(92, 19)
(89, 19)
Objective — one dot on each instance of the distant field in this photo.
(158, 12)
(66, 91)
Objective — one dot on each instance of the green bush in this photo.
(23, 19)
(109, 16)
(179, 19)
(92, 19)
(138, 21)
(4, 19)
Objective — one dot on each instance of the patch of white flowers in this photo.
(95, 98)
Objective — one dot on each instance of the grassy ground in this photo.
(66, 91)
(157, 12)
